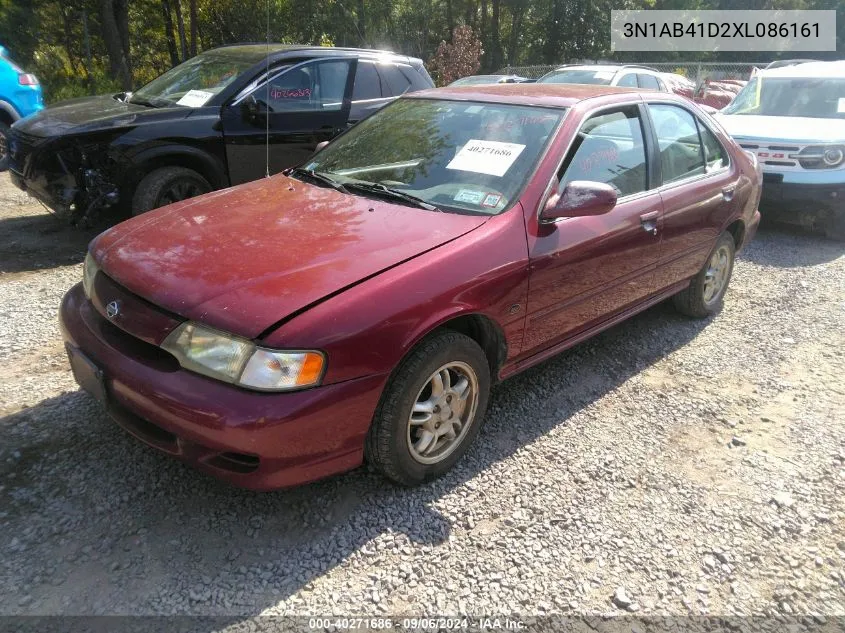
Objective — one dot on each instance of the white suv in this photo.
(628, 76)
(793, 119)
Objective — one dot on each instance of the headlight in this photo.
(820, 156)
(89, 271)
(239, 361)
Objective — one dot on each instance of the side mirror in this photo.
(321, 145)
(251, 110)
(578, 199)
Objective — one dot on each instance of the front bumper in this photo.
(254, 440)
(808, 200)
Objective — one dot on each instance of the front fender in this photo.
(370, 327)
(190, 156)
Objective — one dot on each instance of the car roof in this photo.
(548, 95)
(257, 51)
(809, 69)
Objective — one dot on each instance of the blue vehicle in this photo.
(20, 96)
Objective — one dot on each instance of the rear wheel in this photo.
(431, 409)
(165, 186)
(4, 146)
(703, 296)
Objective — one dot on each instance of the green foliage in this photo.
(458, 58)
(47, 36)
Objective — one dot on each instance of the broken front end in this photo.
(74, 178)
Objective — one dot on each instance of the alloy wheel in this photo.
(443, 412)
(718, 271)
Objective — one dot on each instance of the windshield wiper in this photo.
(316, 177)
(394, 194)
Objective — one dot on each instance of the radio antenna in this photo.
(267, 103)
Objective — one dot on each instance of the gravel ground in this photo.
(666, 467)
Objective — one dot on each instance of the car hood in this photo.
(245, 258)
(90, 114)
(780, 128)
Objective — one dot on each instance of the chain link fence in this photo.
(697, 72)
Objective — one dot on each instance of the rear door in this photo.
(370, 91)
(585, 270)
(282, 120)
(698, 186)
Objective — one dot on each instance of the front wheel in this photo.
(704, 295)
(165, 186)
(431, 409)
(4, 146)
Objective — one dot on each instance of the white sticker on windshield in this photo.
(486, 157)
(603, 74)
(474, 109)
(195, 98)
(469, 196)
(841, 106)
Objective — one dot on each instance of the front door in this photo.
(585, 270)
(280, 122)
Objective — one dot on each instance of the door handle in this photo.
(649, 222)
(728, 193)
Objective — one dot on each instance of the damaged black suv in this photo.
(202, 125)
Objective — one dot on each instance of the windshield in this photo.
(459, 156)
(194, 82)
(578, 76)
(807, 97)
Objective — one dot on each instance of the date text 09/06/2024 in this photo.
(417, 624)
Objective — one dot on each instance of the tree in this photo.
(460, 58)
(194, 26)
(168, 32)
(180, 25)
(112, 15)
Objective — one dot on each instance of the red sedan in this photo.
(360, 307)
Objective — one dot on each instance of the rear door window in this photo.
(715, 155)
(648, 81)
(396, 77)
(681, 154)
(367, 82)
(628, 81)
(609, 148)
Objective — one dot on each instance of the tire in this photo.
(392, 441)
(4, 146)
(698, 299)
(167, 185)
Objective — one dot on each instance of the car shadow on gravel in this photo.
(795, 248)
(130, 530)
(36, 242)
